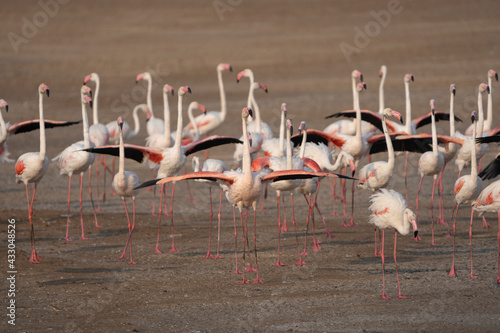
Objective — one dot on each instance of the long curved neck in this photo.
(42, 128)
(166, 117)
(282, 134)
(452, 114)
(85, 120)
(354, 92)
(302, 151)
(381, 101)
(358, 115)
(408, 108)
(149, 100)
(95, 109)
(257, 111)
(178, 135)
(473, 170)
(137, 123)
(222, 92)
(434, 137)
(480, 121)
(121, 168)
(3, 137)
(388, 141)
(288, 150)
(193, 122)
(489, 109)
(338, 161)
(246, 161)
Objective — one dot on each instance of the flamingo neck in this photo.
(178, 135)
(336, 165)
(42, 128)
(452, 114)
(149, 100)
(434, 137)
(406, 223)
(166, 118)
(246, 161)
(480, 121)
(121, 167)
(408, 108)
(473, 170)
(354, 92)
(137, 124)
(85, 120)
(381, 101)
(388, 141)
(302, 151)
(95, 101)
(250, 92)
(193, 122)
(222, 92)
(489, 109)
(282, 135)
(3, 137)
(358, 116)
(288, 150)
(257, 111)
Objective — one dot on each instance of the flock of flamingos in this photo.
(288, 163)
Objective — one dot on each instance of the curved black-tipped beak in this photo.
(453, 92)
(90, 104)
(266, 91)
(401, 120)
(7, 108)
(189, 90)
(231, 69)
(412, 79)
(250, 112)
(237, 80)
(90, 93)
(48, 92)
(415, 233)
(84, 83)
(121, 125)
(291, 130)
(496, 76)
(353, 173)
(361, 77)
(488, 89)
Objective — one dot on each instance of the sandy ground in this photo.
(296, 49)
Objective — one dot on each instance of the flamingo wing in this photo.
(133, 152)
(209, 142)
(491, 170)
(408, 143)
(366, 115)
(207, 175)
(426, 118)
(312, 136)
(488, 139)
(297, 174)
(31, 125)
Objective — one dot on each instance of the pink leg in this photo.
(113, 173)
(166, 199)
(304, 253)
(485, 224)
(209, 255)
(328, 233)
(124, 254)
(263, 197)
(498, 241)
(218, 225)
(69, 202)
(157, 249)
(453, 272)
(376, 253)
(284, 228)
(383, 267)
(470, 242)
(432, 212)
(244, 281)
(34, 258)
(396, 264)
(131, 231)
(316, 246)
(343, 197)
(153, 188)
(441, 199)
(189, 188)
(172, 248)
(300, 262)
(418, 194)
(105, 168)
(278, 200)
(406, 180)
(257, 279)
(250, 267)
(334, 196)
(352, 224)
(98, 190)
(235, 242)
(81, 208)
(448, 233)
(92, 199)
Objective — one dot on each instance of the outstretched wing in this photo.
(491, 170)
(133, 152)
(297, 174)
(373, 118)
(31, 125)
(207, 175)
(209, 142)
(426, 118)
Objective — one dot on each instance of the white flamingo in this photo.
(73, 160)
(382, 73)
(4, 152)
(31, 167)
(489, 109)
(163, 139)
(154, 125)
(389, 209)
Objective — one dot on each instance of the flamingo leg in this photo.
(92, 199)
(81, 208)
(485, 224)
(250, 267)
(352, 224)
(263, 197)
(209, 255)
(498, 241)
(470, 242)
(257, 279)
(153, 188)
(157, 250)
(172, 248)
(218, 225)
(383, 267)
(304, 253)
(376, 253)
(166, 199)
(300, 262)
(113, 173)
(244, 281)
(105, 168)
(432, 212)
(448, 234)
(235, 242)
(396, 264)
(441, 197)
(406, 180)
(98, 183)
(284, 227)
(418, 194)
(343, 196)
(34, 258)
(278, 200)
(189, 188)
(69, 202)
(124, 254)
(334, 196)
(453, 272)
(131, 231)
(328, 233)
(316, 246)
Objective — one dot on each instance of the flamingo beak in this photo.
(48, 92)
(86, 79)
(496, 76)
(250, 112)
(415, 228)
(6, 107)
(353, 167)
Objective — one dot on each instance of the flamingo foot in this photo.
(385, 297)
(34, 258)
(417, 239)
(304, 253)
(498, 279)
(433, 244)
(123, 255)
(243, 282)
(131, 262)
(441, 221)
(83, 238)
(447, 234)
(157, 250)
(316, 246)
(472, 276)
(352, 224)
(344, 224)
(257, 281)
(67, 239)
(154, 214)
(278, 263)
(300, 262)
(329, 234)
(250, 269)
(284, 228)
(193, 201)
(485, 224)
(97, 225)
(402, 297)
(173, 249)
(453, 272)
(208, 256)
(334, 213)
(236, 272)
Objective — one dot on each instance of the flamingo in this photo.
(219, 166)
(163, 138)
(73, 160)
(154, 125)
(382, 73)
(212, 119)
(489, 109)
(99, 135)
(4, 152)
(124, 184)
(488, 201)
(170, 160)
(189, 138)
(466, 189)
(430, 164)
(243, 187)
(31, 167)
(376, 175)
(275, 147)
(389, 209)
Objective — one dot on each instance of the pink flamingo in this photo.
(4, 152)
(154, 125)
(489, 109)
(466, 189)
(31, 167)
(73, 160)
(389, 209)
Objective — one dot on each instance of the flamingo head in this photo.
(85, 90)
(283, 108)
(43, 89)
(168, 88)
(244, 73)
(3, 104)
(246, 112)
(120, 122)
(357, 74)
(433, 106)
(183, 90)
(361, 86)
(226, 67)
(90, 77)
(412, 219)
(453, 88)
(348, 159)
(409, 77)
(302, 126)
(87, 100)
(492, 73)
(148, 114)
(483, 87)
(289, 125)
(262, 86)
(382, 71)
(142, 76)
(390, 112)
(202, 108)
(473, 116)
